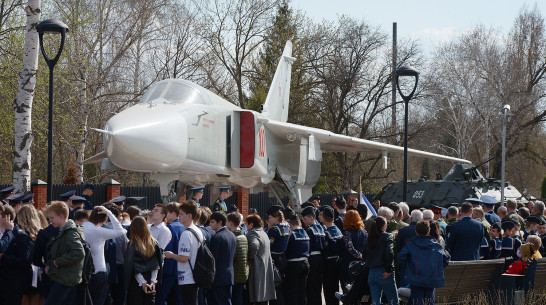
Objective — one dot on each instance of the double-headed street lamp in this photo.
(57, 27)
(406, 71)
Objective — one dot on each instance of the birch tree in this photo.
(23, 102)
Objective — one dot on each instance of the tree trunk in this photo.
(23, 102)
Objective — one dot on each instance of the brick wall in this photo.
(39, 188)
(242, 200)
(113, 189)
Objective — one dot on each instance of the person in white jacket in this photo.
(96, 236)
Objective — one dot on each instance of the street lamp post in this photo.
(57, 27)
(406, 71)
(505, 110)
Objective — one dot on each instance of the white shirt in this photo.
(161, 233)
(187, 246)
(97, 236)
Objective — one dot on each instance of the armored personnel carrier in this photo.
(461, 182)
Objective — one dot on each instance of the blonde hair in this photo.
(29, 221)
(59, 208)
(141, 239)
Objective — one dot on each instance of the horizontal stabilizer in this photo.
(96, 158)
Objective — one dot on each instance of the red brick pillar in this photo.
(112, 189)
(242, 200)
(39, 189)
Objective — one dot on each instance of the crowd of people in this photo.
(75, 253)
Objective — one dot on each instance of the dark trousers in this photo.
(314, 280)
(61, 295)
(295, 282)
(421, 296)
(137, 296)
(202, 296)
(219, 295)
(279, 260)
(331, 281)
(117, 291)
(98, 287)
(168, 291)
(237, 294)
(189, 294)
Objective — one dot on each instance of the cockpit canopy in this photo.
(172, 91)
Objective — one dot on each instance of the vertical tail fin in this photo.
(277, 101)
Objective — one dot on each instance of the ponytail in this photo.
(375, 231)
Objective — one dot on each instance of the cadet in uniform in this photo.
(531, 226)
(509, 244)
(197, 194)
(489, 203)
(88, 191)
(279, 233)
(5, 193)
(297, 265)
(220, 204)
(330, 253)
(340, 205)
(119, 201)
(495, 244)
(316, 238)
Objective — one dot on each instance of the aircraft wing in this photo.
(96, 158)
(331, 142)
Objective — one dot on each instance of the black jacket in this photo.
(383, 253)
(135, 262)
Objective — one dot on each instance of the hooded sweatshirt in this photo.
(425, 260)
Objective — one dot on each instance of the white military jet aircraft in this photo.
(182, 131)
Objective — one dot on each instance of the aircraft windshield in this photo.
(173, 92)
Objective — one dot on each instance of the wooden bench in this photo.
(538, 280)
(469, 278)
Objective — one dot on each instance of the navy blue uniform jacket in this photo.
(465, 239)
(15, 268)
(170, 265)
(222, 246)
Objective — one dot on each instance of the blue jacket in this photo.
(404, 234)
(465, 239)
(15, 270)
(298, 244)
(169, 264)
(424, 260)
(222, 246)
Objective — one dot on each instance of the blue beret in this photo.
(8, 189)
(273, 209)
(68, 194)
(489, 200)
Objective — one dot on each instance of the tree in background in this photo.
(22, 164)
(71, 176)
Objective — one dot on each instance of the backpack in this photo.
(87, 272)
(204, 269)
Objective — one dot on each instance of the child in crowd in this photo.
(542, 235)
(509, 243)
(524, 253)
(495, 244)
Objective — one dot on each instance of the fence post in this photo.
(242, 200)
(113, 189)
(39, 189)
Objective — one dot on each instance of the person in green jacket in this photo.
(240, 262)
(66, 255)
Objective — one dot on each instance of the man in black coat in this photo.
(222, 245)
(465, 237)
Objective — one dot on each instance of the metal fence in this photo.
(260, 201)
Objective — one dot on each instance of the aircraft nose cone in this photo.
(146, 139)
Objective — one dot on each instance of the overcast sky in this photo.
(430, 21)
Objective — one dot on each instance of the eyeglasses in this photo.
(355, 199)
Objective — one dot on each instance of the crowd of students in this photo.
(117, 255)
